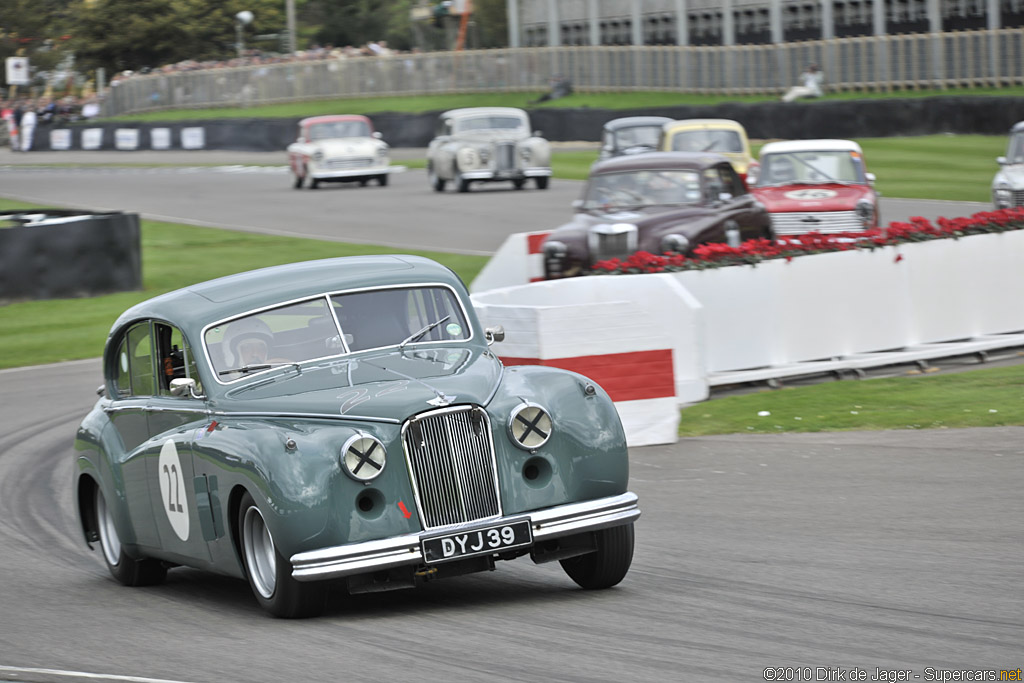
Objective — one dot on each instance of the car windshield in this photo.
(637, 136)
(811, 167)
(1015, 151)
(702, 140)
(492, 122)
(339, 129)
(642, 188)
(309, 330)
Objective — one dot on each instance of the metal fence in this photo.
(872, 63)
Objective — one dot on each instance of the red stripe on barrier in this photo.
(534, 240)
(629, 376)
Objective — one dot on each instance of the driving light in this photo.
(362, 457)
(529, 426)
(525, 153)
(485, 155)
(674, 243)
(1003, 197)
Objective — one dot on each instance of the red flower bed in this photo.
(752, 252)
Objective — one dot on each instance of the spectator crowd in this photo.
(22, 115)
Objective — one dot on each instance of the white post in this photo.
(513, 23)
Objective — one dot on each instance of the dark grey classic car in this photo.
(660, 202)
(631, 135)
(342, 422)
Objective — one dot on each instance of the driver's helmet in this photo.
(247, 341)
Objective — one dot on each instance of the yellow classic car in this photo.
(721, 136)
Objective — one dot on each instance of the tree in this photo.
(357, 22)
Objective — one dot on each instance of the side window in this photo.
(713, 184)
(731, 181)
(175, 358)
(140, 360)
(122, 376)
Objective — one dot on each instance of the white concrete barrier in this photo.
(814, 313)
(625, 333)
(518, 261)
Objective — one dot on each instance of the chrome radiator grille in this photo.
(1018, 197)
(824, 222)
(452, 463)
(506, 156)
(617, 240)
(349, 162)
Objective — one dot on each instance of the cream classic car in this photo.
(341, 148)
(485, 144)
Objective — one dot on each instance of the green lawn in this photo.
(596, 100)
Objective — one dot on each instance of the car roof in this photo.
(684, 124)
(328, 118)
(658, 161)
(630, 121)
(195, 306)
(482, 111)
(810, 146)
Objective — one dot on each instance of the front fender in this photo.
(585, 457)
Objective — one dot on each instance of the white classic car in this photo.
(342, 148)
(485, 144)
(1008, 183)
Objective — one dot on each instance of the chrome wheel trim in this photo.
(109, 540)
(260, 554)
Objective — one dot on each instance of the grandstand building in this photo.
(534, 23)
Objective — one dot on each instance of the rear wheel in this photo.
(129, 571)
(382, 179)
(269, 574)
(606, 566)
(363, 182)
(542, 182)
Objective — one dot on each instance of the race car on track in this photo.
(487, 144)
(342, 422)
(816, 186)
(343, 149)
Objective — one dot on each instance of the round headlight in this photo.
(362, 457)
(866, 212)
(318, 155)
(674, 243)
(555, 249)
(529, 426)
(1003, 197)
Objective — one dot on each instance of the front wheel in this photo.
(269, 574)
(606, 566)
(382, 179)
(128, 571)
(299, 180)
(518, 183)
(313, 183)
(463, 183)
(542, 182)
(436, 181)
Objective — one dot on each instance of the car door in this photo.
(178, 503)
(740, 210)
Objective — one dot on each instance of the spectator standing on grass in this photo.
(811, 80)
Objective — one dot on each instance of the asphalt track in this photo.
(890, 551)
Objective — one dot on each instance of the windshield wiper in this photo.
(416, 335)
(256, 367)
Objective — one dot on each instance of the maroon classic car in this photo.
(659, 202)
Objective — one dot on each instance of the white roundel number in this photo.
(172, 490)
(808, 194)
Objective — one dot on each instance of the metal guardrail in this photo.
(873, 63)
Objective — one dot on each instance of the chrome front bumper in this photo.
(512, 174)
(357, 172)
(359, 558)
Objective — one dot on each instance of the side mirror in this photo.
(538, 134)
(724, 196)
(494, 334)
(377, 134)
(870, 177)
(1001, 161)
(183, 385)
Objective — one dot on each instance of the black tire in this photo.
(299, 180)
(463, 184)
(127, 570)
(519, 183)
(313, 183)
(269, 574)
(363, 182)
(542, 182)
(382, 180)
(436, 181)
(606, 566)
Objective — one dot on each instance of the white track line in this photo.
(83, 674)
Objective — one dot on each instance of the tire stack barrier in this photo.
(59, 253)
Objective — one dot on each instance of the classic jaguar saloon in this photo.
(344, 423)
